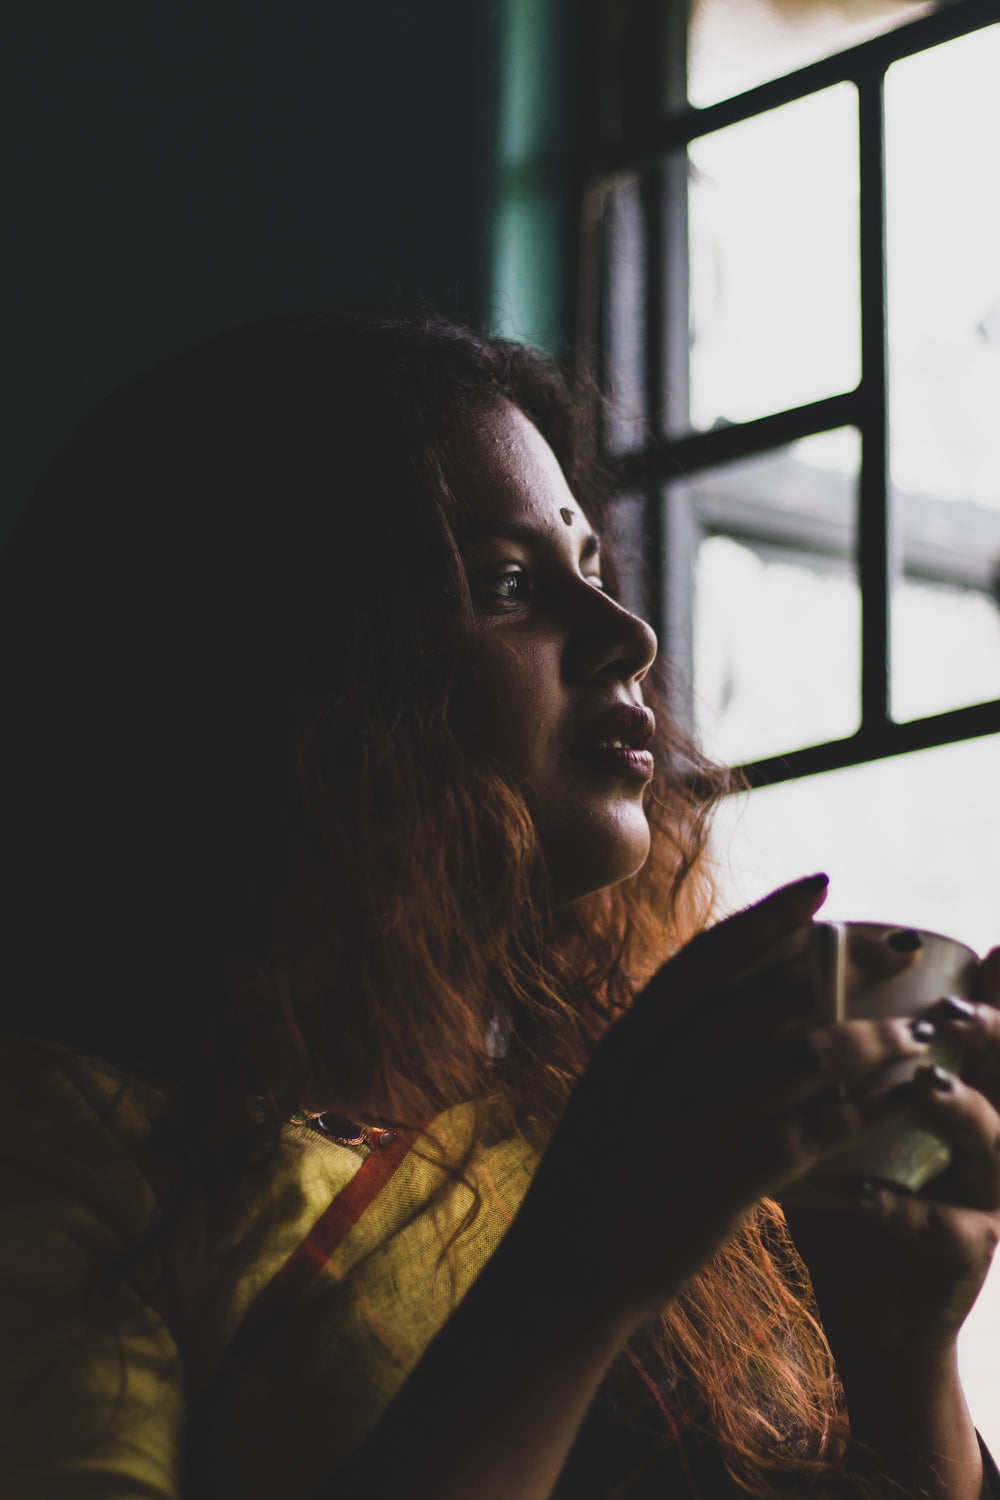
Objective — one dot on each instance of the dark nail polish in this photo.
(904, 941)
(937, 1079)
(923, 1031)
(956, 1009)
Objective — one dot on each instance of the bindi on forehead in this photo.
(566, 514)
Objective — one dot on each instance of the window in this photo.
(790, 278)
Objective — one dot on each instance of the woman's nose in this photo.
(609, 638)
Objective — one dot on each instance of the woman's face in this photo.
(554, 693)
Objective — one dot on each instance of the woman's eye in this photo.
(512, 586)
(506, 586)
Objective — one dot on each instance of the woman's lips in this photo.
(618, 761)
(615, 742)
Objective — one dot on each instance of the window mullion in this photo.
(876, 553)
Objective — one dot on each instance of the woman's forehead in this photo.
(510, 479)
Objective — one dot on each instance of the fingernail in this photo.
(956, 1009)
(923, 1031)
(904, 941)
(812, 892)
(936, 1078)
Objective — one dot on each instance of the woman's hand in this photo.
(895, 1274)
(706, 1096)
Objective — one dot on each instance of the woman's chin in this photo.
(597, 862)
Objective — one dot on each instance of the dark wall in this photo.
(178, 165)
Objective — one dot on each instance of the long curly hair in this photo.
(248, 857)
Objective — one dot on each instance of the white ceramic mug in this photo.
(850, 962)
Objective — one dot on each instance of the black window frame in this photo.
(640, 127)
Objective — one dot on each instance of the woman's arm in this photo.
(492, 1409)
(915, 1423)
(662, 1151)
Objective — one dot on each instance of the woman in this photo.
(340, 839)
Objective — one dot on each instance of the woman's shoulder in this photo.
(78, 1161)
(70, 1117)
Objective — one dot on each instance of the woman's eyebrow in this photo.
(520, 531)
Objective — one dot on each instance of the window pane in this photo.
(776, 626)
(946, 648)
(943, 245)
(774, 260)
(911, 839)
(735, 44)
